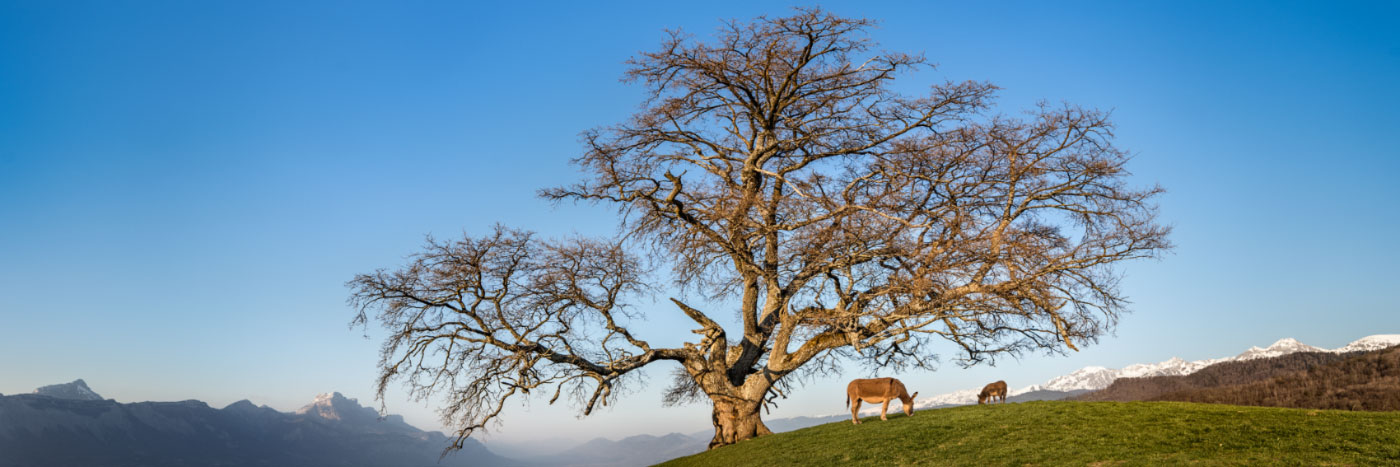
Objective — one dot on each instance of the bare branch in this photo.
(776, 166)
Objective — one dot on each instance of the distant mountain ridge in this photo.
(64, 425)
(1093, 378)
(1222, 374)
(1365, 380)
(60, 418)
(1376, 342)
(639, 450)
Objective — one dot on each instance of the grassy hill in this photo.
(1080, 433)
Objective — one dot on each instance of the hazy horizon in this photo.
(186, 188)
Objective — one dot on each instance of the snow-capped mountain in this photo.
(78, 389)
(1282, 347)
(1093, 378)
(963, 397)
(1376, 342)
(1083, 378)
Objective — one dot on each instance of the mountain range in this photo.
(70, 424)
(1093, 378)
(1356, 381)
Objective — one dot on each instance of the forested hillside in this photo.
(1369, 381)
(1217, 375)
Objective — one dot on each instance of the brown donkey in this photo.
(992, 392)
(875, 391)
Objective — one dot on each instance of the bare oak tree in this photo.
(777, 170)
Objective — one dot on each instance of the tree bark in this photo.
(736, 420)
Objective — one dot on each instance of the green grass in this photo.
(1082, 433)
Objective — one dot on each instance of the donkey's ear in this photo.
(916, 394)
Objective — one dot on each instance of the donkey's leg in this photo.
(855, 407)
(884, 408)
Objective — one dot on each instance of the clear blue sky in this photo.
(186, 186)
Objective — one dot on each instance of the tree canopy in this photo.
(775, 168)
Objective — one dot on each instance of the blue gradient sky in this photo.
(186, 186)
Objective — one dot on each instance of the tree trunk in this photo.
(736, 421)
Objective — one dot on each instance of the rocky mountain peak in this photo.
(335, 406)
(78, 389)
(243, 404)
